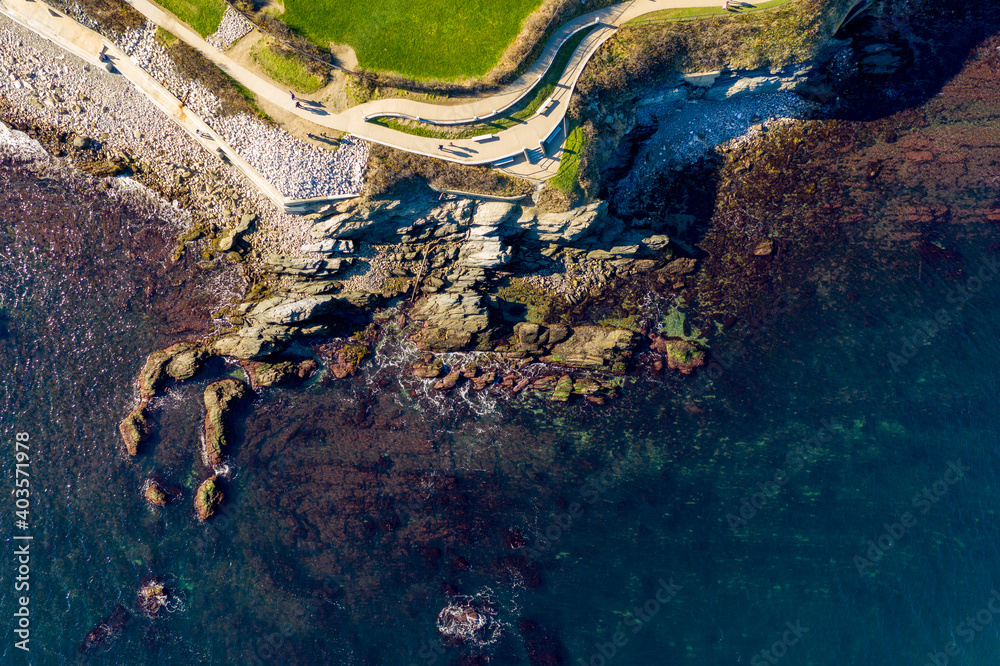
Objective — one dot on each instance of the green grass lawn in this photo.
(703, 12)
(286, 68)
(202, 15)
(567, 178)
(422, 39)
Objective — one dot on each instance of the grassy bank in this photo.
(567, 179)
(288, 68)
(422, 39)
(202, 15)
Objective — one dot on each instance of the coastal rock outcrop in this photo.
(595, 348)
(134, 428)
(220, 397)
(262, 374)
(186, 359)
(208, 498)
(154, 493)
(450, 321)
(153, 374)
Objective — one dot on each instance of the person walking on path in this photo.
(297, 105)
(293, 94)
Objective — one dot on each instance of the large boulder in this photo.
(451, 321)
(207, 498)
(153, 374)
(134, 428)
(566, 227)
(262, 374)
(456, 312)
(682, 355)
(254, 342)
(595, 348)
(186, 359)
(484, 253)
(291, 309)
(220, 397)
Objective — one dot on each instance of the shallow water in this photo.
(355, 511)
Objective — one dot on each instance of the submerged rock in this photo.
(220, 397)
(153, 596)
(207, 498)
(682, 356)
(106, 629)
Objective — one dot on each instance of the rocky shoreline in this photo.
(561, 302)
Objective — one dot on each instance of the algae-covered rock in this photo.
(682, 355)
(449, 381)
(586, 386)
(208, 498)
(154, 493)
(563, 390)
(347, 359)
(134, 428)
(595, 348)
(153, 374)
(186, 359)
(441, 340)
(220, 397)
(429, 367)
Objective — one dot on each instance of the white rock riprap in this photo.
(295, 168)
(232, 27)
